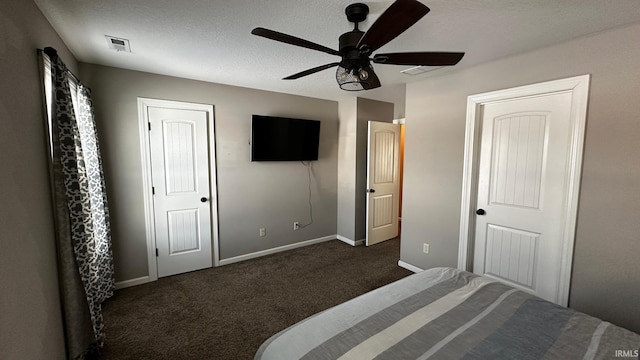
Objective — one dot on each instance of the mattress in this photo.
(445, 313)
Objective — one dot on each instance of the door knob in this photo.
(371, 190)
(480, 212)
(203, 199)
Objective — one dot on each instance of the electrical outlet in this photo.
(263, 232)
(296, 225)
(425, 248)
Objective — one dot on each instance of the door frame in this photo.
(578, 86)
(147, 185)
(397, 171)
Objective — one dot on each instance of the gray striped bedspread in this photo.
(445, 313)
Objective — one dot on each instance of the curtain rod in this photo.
(51, 52)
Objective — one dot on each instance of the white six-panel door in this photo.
(521, 199)
(383, 184)
(182, 197)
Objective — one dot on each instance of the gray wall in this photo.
(605, 280)
(30, 317)
(251, 195)
(352, 172)
(348, 110)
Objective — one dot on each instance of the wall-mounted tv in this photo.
(284, 139)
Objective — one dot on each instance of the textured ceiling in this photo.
(210, 40)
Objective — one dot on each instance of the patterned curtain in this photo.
(82, 217)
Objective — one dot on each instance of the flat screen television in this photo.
(284, 139)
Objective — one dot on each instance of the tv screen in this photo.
(284, 139)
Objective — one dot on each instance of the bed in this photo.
(445, 313)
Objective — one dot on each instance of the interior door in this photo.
(182, 197)
(383, 180)
(523, 170)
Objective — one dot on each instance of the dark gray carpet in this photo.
(228, 311)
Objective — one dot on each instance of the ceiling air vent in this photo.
(419, 70)
(118, 44)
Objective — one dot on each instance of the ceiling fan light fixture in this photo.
(351, 79)
(363, 74)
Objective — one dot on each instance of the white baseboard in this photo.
(349, 241)
(132, 282)
(409, 267)
(276, 250)
(146, 279)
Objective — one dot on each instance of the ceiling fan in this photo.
(356, 47)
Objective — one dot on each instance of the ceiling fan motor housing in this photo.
(348, 42)
(353, 61)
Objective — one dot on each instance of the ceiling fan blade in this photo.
(372, 81)
(398, 17)
(311, 71)
(288, 39)
(431, 58)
